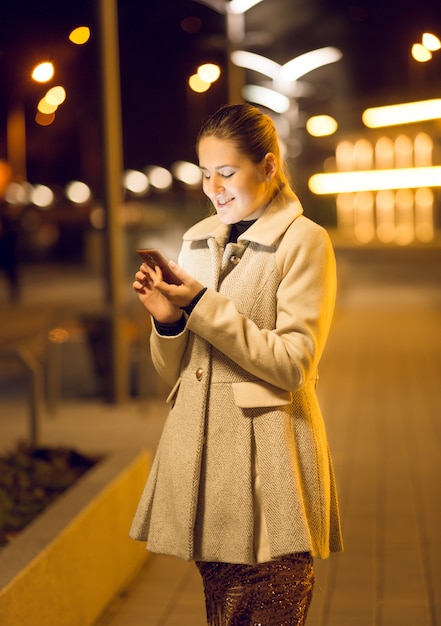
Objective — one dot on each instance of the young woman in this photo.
(242, 481)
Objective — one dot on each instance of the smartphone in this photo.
(155, 258)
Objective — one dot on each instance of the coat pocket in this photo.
(248, 395)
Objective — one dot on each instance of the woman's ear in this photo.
(270, 165)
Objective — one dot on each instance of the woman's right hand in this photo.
(156, 303)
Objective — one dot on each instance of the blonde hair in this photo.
(253, 133)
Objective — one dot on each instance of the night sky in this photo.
(160, 115)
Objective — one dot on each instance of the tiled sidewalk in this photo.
(380, 393)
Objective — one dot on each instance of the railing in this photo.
(35, 370)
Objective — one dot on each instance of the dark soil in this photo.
(32, 478)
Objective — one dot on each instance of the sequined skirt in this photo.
(275, 593)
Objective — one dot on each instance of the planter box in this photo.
(67, 565)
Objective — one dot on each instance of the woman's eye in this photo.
(227, 174)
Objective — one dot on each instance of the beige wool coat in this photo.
(244, 374)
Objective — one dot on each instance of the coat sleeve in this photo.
(167, 352)
(288, 355)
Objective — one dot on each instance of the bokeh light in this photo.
(43, 72)
(321, 125)
(420, 53)
(78, 192)
(209, 72)
(136, 182)
(197, 84)
(187, 173)
(160, 178)
(56, 95)
(44, 119)
(42, 196)
(431, 42)
(46, 107)
(80, 35)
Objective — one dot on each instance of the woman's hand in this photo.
(161, 299)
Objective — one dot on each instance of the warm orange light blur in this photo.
(160, 178)
(187, 173)
(420, 53)
(423, 148)
(404, 220)
(384, 153)
(403, 113)
(197, 84)
(78, 192)
(58, 335)
(56, 95)
(375, 180)
(209, 72)
(364, 222)
(344, 156)
(44, 119)
(5, 177)
(363, 154)
(321, 125)
(46, 107)
(80, 35)
(403, 148)
(385, 215)
(43, 72)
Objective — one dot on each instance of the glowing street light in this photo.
(80, 35)
(422, 52)
(43, 72)
(321, 125)
(197, 84)
(230, 7)
(209, 72)
(56, 95)
(431, 42)
(206, 74)
(284, 77)
(403, 113)
(375, 180)
(268, 98)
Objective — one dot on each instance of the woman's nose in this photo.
(216, 184)
(212, 186)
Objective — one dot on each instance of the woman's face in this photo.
(238, 188)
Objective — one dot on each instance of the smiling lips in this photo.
(223, 201)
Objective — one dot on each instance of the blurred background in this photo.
(100, 104)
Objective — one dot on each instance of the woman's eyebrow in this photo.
(217, 168)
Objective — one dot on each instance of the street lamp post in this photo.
(113, 195)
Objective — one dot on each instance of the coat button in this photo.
(199, 373)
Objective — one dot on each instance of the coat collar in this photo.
(265, 231)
